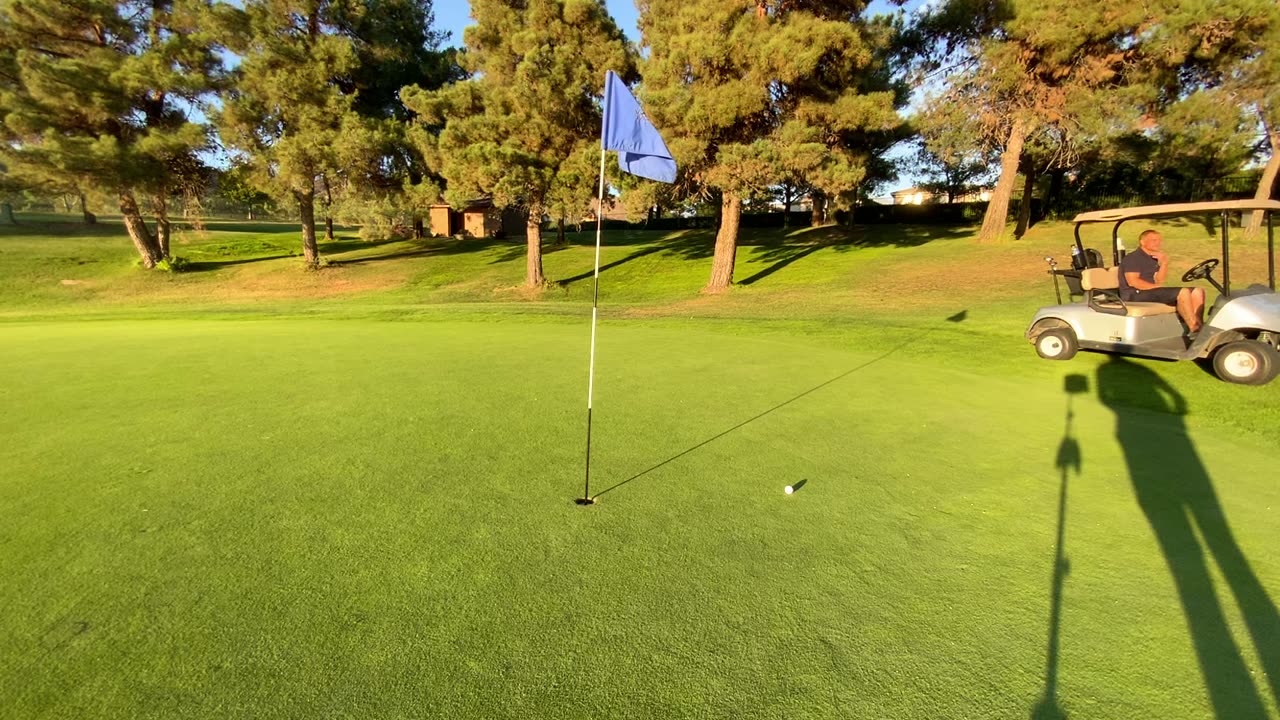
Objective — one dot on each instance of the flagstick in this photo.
(586, 498)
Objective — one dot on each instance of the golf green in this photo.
(356, 518)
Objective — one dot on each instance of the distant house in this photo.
(478, 218)
(612, 210)
(920, 196)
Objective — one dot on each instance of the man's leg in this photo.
(1197, 305)
(1185, 310)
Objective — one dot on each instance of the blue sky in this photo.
(454, 15)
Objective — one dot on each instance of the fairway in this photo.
(360, 518)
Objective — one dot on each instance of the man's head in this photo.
(1149, 241)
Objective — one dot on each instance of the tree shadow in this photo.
(343, 245)
(1176, 495)
(591, 273)
(1069, 459)
(904, 236)
(425, 248)
(198, 266)
(67, 228)
(958, 317)
(246, 226)
(515, 251)
(780, 257)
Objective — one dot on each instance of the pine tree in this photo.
(520, 131)
(286, 114)
(94, 94)
(395, 47)
(1037, 70)
(750, 95)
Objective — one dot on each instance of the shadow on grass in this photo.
(197, 266)
(958, 317)
(63, 228)
(249, 226)
(1068, 459)
(425, 248)
(515, 251)
(1177, 496)
(783, 247)
(591, 273)
(343, 245)
(781, 257)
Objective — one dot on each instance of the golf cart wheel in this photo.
(1057, 343)
(1246, 362)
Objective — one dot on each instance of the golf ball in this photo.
(788, 490)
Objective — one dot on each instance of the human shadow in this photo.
(1069, 459)
(1176, 495)
(957, 317)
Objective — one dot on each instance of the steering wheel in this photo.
(1201, 271)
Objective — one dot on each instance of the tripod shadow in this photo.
(1176, 494)
(1069, 459)
(956, 318)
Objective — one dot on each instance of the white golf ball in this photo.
(788, 490)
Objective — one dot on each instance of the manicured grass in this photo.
(363, 507)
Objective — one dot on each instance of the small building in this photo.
(478, 218)
(920, 196)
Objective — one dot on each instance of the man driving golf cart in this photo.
(1126, 310)
(1141, 279)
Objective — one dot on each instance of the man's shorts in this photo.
(1165, 295)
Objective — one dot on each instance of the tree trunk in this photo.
(533, 276)
(1268, 182)
(726, 244)
(560, 236)
(786, 206)
(1024, 212)
(162, 225)
(419, 231)
(145, 244)
(307, 208)
(1050, 205)
(89, 218)
(7, 209)
(819, 201)
(998, 209)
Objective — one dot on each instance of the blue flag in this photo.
(641, 150)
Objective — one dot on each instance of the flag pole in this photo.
(586, 498)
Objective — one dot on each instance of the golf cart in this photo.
(1242, 326)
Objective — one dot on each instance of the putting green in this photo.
(320, 518)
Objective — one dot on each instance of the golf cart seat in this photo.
(1101, 287)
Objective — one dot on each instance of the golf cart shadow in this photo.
(1177, 497)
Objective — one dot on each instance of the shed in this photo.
(478, 218)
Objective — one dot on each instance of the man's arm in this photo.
(1136, 282)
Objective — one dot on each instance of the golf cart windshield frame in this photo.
(1223, 208)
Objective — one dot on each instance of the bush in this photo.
(174, 264)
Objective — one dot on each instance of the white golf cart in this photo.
(1242, 326)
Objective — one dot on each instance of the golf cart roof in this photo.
(1152, 211)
